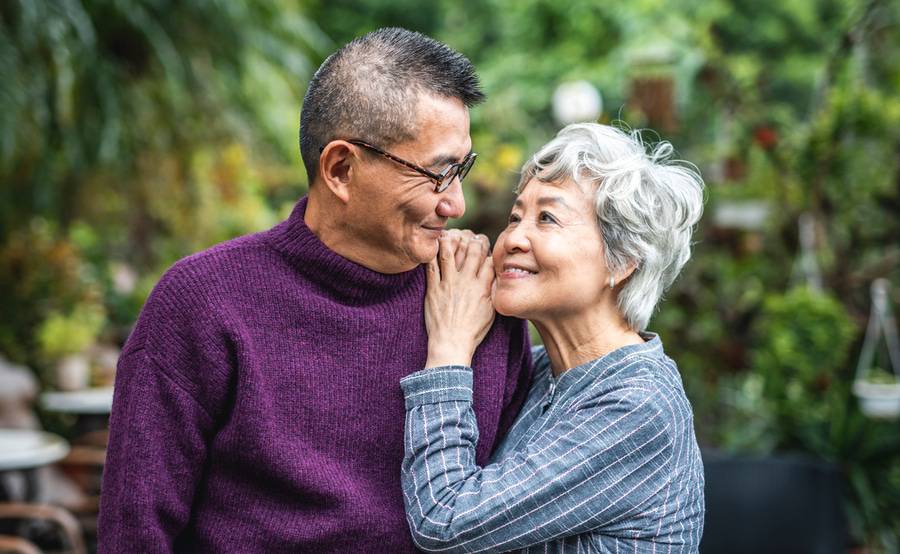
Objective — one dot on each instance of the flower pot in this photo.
(73, 372)
(881, 400)
(775, 503)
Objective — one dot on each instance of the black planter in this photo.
(772, 505)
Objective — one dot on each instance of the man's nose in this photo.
(452, 203)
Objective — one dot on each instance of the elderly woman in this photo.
(602, 457)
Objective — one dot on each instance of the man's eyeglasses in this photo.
(441, 180)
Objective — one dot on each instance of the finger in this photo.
(467, 233)
(432, 272)
(454, 235)
(459, 253)
(487, 244)
(446, 262)
(486, 271)
(474, 256)
(462, 235)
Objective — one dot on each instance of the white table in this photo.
(23, 449)
(26, 450)
(96, 401)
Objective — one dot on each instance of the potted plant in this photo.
(878, 390)
(878, 393)
(65, 340)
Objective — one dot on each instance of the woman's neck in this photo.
(573, 340)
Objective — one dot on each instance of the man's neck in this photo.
(334, 234)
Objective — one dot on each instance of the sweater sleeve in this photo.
(603, 462)
(170, 391)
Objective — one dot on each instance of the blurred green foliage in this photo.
(797, 398)
(134, 132)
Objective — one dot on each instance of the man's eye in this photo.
(513, 218)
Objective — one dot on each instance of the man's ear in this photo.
(336, 166)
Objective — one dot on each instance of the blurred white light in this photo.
(746, 215)
(576, 102)
(124, 278)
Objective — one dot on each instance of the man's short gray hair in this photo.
(646, 204)
(369, 88)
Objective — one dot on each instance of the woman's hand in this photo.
(458, 308)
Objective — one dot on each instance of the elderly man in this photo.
(257, 404)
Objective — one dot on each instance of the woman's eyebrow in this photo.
(557, 200)
(547, 200)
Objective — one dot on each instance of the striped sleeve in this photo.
(604, 461)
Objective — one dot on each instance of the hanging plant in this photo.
(878, 390)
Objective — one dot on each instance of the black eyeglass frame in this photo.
(441, 180)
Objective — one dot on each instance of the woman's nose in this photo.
(515, 238)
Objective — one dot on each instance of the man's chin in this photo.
(425, 251)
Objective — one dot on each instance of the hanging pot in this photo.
(878, 400)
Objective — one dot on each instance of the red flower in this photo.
(765, 137)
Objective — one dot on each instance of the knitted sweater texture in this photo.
(257, 404)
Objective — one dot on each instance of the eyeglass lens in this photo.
(457, 170)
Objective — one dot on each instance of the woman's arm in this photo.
(603, 462)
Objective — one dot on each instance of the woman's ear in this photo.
(626, 273)
(619, 277)
(336, 167)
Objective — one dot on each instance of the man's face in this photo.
(394, 212)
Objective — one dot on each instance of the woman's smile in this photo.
(514, 271)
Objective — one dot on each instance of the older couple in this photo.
(261, 398)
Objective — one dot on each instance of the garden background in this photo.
(135, 132)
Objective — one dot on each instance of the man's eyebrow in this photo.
(443, 160)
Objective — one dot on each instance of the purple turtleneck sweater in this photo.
(258, 407)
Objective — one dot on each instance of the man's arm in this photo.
(171, 382)
(157, 448)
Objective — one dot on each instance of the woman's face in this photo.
(549, 259)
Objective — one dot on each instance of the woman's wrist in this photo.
(443, 355)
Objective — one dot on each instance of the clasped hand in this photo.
(458, 307)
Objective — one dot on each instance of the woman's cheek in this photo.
(497, 253)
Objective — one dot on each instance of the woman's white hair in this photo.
(646, 204)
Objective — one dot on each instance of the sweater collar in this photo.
(348, 281)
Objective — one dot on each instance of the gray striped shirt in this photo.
(601, 459)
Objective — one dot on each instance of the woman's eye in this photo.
(545, 217)
(513, 218)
